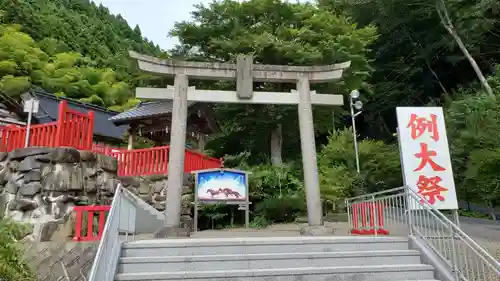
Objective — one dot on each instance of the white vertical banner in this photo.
(425, 155)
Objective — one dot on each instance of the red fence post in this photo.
(355, 219)
(4, 136)
(89, 236)
(166, 157)
(78, 223)
(369, 212)
(61, 116)
(380, 219)
(89, 131)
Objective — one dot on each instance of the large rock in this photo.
(130, 181)
(88, 156)
(22, 204)
(33, 175)
(5, 175)
(21, 153)
(3, 156)
(29, 163)
(65, 155)
(107, 163)
(144, 188)
(159, 186)
(13, 165)
(12, 187)
(30, 189)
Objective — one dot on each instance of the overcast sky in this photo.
(154, 17)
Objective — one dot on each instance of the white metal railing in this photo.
(401, 211)
(129, 215)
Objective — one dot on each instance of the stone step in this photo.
(408, 272)
(266, 261)
(259, 245)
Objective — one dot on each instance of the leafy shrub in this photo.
(379, 166)
(281, 209)
(12, 265)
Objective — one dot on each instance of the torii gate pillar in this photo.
(245, 73)
(309, 158)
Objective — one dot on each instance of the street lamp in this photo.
(358, 105)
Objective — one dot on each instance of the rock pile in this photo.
(41, 185)
(153, 190)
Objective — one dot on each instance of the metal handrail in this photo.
(420, 219)
(128, 215)
(455, 228)
(107, 251)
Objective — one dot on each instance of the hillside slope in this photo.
(72, 48)
(81, 25)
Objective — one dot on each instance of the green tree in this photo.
(275, 32)
(380, 167)
(24, 64)
(416, 60)
(482, 176)
(473, 122)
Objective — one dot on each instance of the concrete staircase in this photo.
(273, 259)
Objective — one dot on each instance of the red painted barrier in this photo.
(72, 129)
(105, 149)
(139, 162)
(89, 211)
(363, 219)
(151, 161)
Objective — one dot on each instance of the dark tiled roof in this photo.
(146, 110)
(48, 112)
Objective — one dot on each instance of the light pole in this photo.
(358, 105)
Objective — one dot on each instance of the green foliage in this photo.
(283, 209)
(337, 166)
(269, 181)
(80, 26)
(482, 173)
(12, 264)
(276, 193)
(416, 61)
(72, 48)
(24, 64)
(274, 32)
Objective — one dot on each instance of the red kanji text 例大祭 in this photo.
(428, 187)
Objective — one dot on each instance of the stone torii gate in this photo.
(245, 73)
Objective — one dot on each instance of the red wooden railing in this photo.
(72, 128)
(75, 129)
(151, 161)
(105, 149)
(89, 211)
(146, 161)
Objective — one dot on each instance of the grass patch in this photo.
(13, 267)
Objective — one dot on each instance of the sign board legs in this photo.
(309, 160)
(247, 205)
